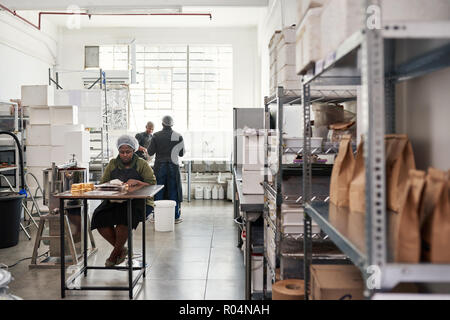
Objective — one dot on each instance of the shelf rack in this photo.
(367, 58)
(281, 191)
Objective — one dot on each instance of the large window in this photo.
(193, 84)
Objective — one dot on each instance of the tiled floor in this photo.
(198, 261)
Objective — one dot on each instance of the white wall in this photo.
(25, 53)
(246, 88)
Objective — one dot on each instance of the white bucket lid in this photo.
(165, 203)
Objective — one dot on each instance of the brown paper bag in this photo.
(435, 218)
(399, 160)
(407, 234)
(357, 193)
(342, 173)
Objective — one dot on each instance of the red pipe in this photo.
(100, 14)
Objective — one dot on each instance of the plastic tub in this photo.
(165, 215)
(10, 211)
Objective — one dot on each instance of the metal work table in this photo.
(252, 207)
(143, 193)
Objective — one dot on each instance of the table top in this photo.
(143, 193)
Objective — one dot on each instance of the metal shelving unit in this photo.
(284, 189)
(360, 60)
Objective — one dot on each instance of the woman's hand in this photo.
(134, 182)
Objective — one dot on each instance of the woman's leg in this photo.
(109, 234)
(121, 239)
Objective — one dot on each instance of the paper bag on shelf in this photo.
(357, 193)
(435, 218)
(407, 234)
(399, 161)
(342, 173)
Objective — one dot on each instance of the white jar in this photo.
(221, 193)
(199, 193)
(215, 193)
(207, 193)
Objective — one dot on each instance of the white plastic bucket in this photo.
(165, 215)
(199, 193)
(207, 193)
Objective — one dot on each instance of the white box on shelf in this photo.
(287, 73)
(304, 5)
(415, 10)
(292, 142)
(294, 86)
(77, 143)
(252, 181)
(257, 273)
(38, 156)
(293, 121)
(339, 20)
(37, 95)
(90, 117)
(39, 114)
(285, 55)
(38, 134)
(308, 40)
(58, 155)
(287, 35)
(60, 115)
(57, 132)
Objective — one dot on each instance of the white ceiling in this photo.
(221, 17)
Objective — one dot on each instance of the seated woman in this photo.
(110, 217)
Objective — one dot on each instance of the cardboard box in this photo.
(39, 114)
(336, 282)
(308, 40)
(287, 73)
(304, 5)
(40, 95)
(38, 134)
(58, 132)
(60, 115)
(77, 143)
(340, 19)
(285, 56)
(415, 10)
(38, 156)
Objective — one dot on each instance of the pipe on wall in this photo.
(38, 26)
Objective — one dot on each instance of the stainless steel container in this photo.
(63, 180)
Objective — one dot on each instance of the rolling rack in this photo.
(367, 58)
(289, 246)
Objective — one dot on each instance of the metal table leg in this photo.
(85, 223)
(248, 260)
(189, 171)
(130, 250)
(143, 239)
(61, 235)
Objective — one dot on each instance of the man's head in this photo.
(149, 127)
(167, 121)
(127, 145)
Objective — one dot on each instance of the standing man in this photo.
(168, 146)
(144, 139)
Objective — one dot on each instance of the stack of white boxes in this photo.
(308, 44)
(282, 61)
(89, 102)
(253, 162)
(54, 134)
